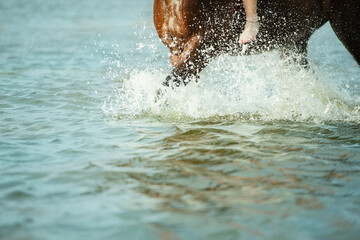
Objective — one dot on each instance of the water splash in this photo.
(260, 87)
(236, 87)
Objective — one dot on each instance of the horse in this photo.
(197, 31)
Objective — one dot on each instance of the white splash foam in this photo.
(257, 87)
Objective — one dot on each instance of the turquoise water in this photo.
(255, 150)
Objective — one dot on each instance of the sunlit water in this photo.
(88, 150)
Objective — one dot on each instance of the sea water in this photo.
(257, 149)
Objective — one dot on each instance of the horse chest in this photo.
(173, 26)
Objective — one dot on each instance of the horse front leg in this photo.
(187, 61)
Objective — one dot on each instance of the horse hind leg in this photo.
(296, 53)
(345, 21)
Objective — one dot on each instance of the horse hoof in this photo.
(172, 81)
(159, 95)
(175, 80)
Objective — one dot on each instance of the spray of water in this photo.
(260, 87)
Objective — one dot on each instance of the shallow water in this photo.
(253, 151)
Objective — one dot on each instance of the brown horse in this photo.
(196, 31)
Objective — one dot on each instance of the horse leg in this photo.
(296, 53)
(345, 21)
(188, 61)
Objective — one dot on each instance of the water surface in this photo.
(255, 150)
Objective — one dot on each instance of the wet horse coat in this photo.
(196, 31)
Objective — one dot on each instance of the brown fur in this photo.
(197, 31)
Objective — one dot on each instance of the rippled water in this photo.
(256, 150)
